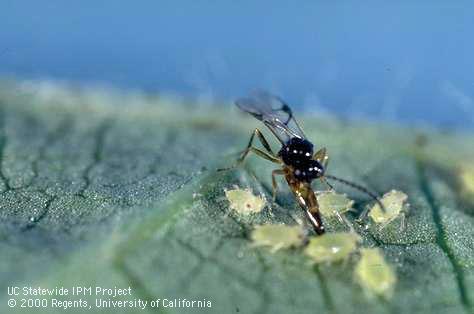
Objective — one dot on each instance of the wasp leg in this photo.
(319, 155)
(263, 140)
(343, 219)
(322, 156)
(256, 151)
(269, 155)
(274, 182)
(260, 153)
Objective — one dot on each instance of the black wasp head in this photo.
(296, 151)
(309, 170)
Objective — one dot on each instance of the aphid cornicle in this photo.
(300, 165)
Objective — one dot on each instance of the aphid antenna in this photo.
(357, 187)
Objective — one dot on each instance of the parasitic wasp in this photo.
(300, 165)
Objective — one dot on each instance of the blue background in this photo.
(403, 61)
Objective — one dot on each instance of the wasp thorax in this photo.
(296, 152)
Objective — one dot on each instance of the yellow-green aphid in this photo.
(395, 206)
(374, 274)
(244, 202)
(332, 247)
(277, 236)
(466, 178)
(332, 204)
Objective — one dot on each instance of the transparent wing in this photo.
(272, 111)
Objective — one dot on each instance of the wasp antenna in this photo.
(358, 187)
(323, 179)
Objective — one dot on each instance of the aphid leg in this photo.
(322, 157)
(403, 222)
(343, 219)
(274, 182)
(389, 221)
(384, 224)
(269, 155)
(339, 217)
(349, 224)
(363, 216)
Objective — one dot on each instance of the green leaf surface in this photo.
(102, 188)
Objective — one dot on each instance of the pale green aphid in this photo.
(244, 201)
(332, 204)
(374, 274)
(466, 176)
(395, 206)
(332, 247)
(277, 236)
